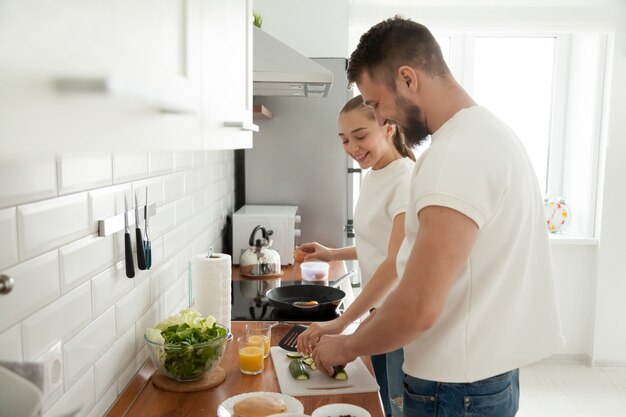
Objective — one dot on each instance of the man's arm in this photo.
(442, 247)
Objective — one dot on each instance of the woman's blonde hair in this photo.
(356, 103)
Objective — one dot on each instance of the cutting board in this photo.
(360, 379)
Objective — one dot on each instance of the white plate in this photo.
(336, 410)
(225, 409)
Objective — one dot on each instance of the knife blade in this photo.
(332, 387)
(141, 260)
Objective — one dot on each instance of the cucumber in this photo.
(339, 372)
(294, 355)
(298, 370)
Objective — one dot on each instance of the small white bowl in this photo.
(340, 409)
(289, 415)
(314, 271)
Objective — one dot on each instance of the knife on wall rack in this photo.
(128, 247)
(141, 256)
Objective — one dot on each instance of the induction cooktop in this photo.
(249, 302)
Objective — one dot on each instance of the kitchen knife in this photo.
(128, 247)
(332, 387)
(141, 259)
(147, 245)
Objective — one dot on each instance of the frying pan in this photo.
(327, 298)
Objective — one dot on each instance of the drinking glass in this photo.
(263, 330)
(250, 354)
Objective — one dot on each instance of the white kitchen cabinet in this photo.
(122, 75)
(225, 62)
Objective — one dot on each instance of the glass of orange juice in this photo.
(250, 354)
(263, 330)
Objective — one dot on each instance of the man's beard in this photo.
(415, 131)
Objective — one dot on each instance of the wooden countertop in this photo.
(141, 398)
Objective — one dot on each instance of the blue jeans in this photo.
(389, 375)
(497, 396)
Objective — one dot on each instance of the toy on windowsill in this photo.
(558, 214)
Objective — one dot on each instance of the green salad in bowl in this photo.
(186, 345)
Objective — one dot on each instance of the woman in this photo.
(379, 231)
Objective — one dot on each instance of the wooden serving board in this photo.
(359, 378)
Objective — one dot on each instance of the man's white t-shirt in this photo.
(501, 311)
(383, 195)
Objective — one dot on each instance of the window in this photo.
(548, 88)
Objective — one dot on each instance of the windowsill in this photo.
(557, 239)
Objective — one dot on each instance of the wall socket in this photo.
(53, 364)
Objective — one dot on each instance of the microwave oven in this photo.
(283, 221)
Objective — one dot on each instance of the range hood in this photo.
(278, 70)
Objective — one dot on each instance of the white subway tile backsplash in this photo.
(78, 396)
(160, 163)
(174, 241)
(173, 187)
(199, 159)
(104, 403)
(108, 287)
(183, 160)
(11, 344)
(82, 259)
(27, 179)
(129, 166)
(106, 202)
(113, 362)
(59, 320)
(184, 209)
(48, 224)
(163, 221)
(82, 351)
(149, 319)
(162, 279)
(69, 291)
(84, 170)
(36, 285)
(8, 240)
(176, 296)
(192, 180)
(130, 307)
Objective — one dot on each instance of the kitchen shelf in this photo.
(260, 112)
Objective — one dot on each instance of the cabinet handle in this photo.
(243, 126)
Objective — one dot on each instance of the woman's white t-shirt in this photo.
(383, 195)
(501, 311)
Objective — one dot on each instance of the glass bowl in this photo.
(187, 362)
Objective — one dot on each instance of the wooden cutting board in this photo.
(359, 378)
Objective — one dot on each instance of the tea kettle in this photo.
(260, 259)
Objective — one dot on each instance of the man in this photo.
(476, 298)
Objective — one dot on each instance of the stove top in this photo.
(249, 303)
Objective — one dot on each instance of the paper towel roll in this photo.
(211, 289)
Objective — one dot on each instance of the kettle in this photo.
(260, 259)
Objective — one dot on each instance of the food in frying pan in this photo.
(259, 406)
(305, 303)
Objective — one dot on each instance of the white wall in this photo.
(316, 29)
(70, 285)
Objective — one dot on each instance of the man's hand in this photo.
(330, 351)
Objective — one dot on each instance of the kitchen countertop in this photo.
(142, 398)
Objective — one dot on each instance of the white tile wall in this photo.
(8, 243)
(59, 320)
(82, 171)
(70, 284)
(27, 179)
(128, 166)
(51, 223)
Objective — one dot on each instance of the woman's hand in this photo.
(308, 340)
(314, 251)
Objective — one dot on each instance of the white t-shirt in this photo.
(501, 311)
(383, 195)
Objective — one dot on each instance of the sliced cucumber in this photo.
(294, 355)
(298, 370)
(339, 372)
